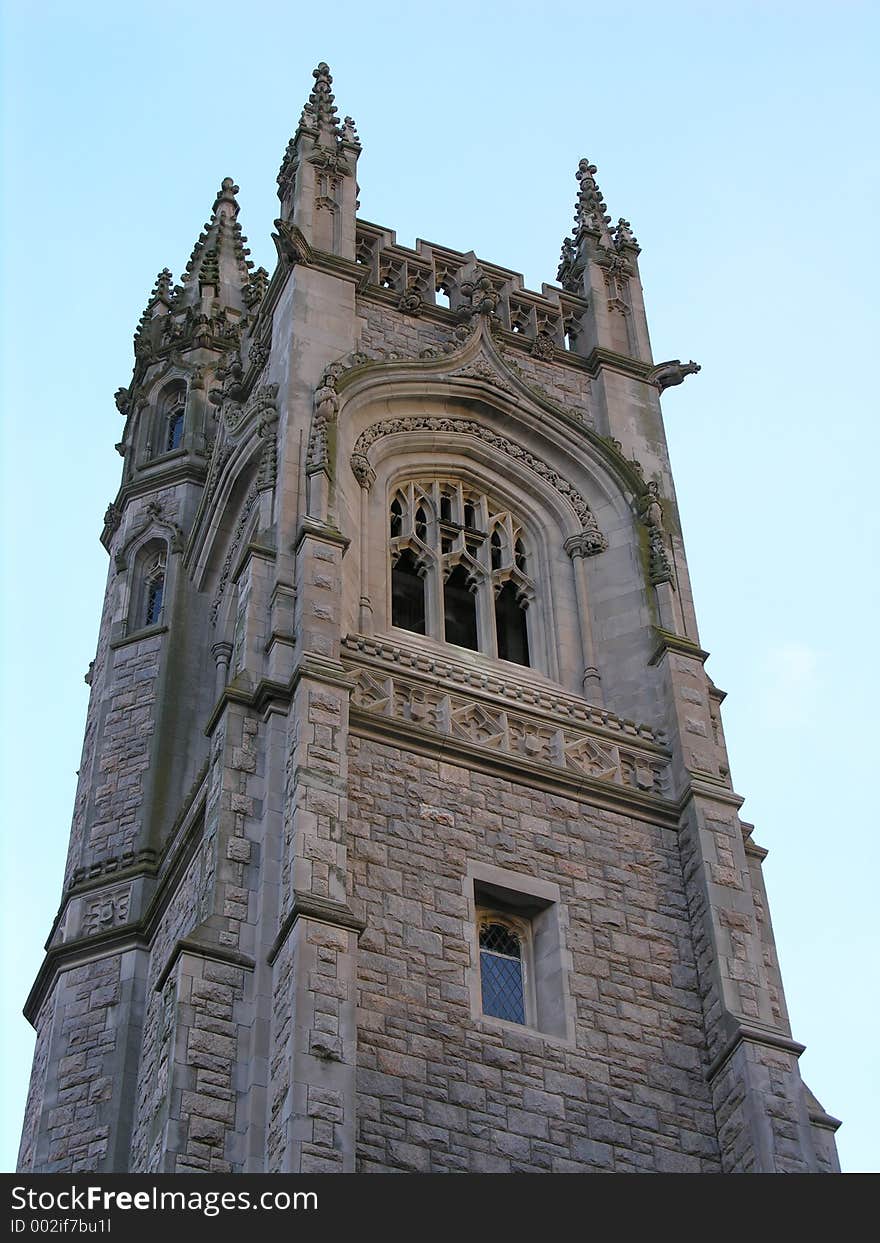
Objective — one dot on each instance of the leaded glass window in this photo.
(154, 591)
(501, 972)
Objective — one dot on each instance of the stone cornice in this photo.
(201, 949)
(746, 1033)
(538, 698)
(185, 471)
(322, 911)
(74, 953)
(668, 642)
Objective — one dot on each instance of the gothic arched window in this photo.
(154, 590)
(172, 415)
(459, 568)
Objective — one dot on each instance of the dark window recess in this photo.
(510, 627)
(496, 550)
(501, 973)
(396, 519)
(446, 508)
(421, 525)
(459, 610)
(175, 429)
(407, 595)
(470, 515)
(520, 555)
(153, 606)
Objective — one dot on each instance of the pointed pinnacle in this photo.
(590, 211)
(321, 105)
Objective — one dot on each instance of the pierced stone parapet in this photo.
(430, 277)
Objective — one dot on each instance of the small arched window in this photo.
(172, 416)
(154, 590)
(459, 568)
(502, 976)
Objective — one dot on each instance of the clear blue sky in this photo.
(740, 141)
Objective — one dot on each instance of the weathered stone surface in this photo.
(296, 817)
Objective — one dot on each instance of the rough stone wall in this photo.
(179, 918)
(773, 1074)
(384, 329)
(85, 781)
(37, 1088)
(208, 1044)
(85, 1036)
(439, 1089)
(125, 749)
(569, 388)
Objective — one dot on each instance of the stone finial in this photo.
(349, 132)
(220, 256)
(590, 212)
(226, 196)
(623, 235)
(322, 106)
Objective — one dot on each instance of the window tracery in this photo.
(460, 567)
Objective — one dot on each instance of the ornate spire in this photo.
(158, 303)
(220, 257)
(591, 235)
(317, 185)
(320, 122)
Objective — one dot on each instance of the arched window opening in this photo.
(460, 610)
(154, 591)
(510, 627)
(501, 973)
(172, 415)
(175, 429)
(407, 594)
(458, 567)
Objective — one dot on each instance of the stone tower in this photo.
(405, 836)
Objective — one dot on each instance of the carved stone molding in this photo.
(499, 729)
(247, 510)
(522, 694)
(108, 910)
(469, 427)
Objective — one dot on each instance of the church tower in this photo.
(405, 837)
